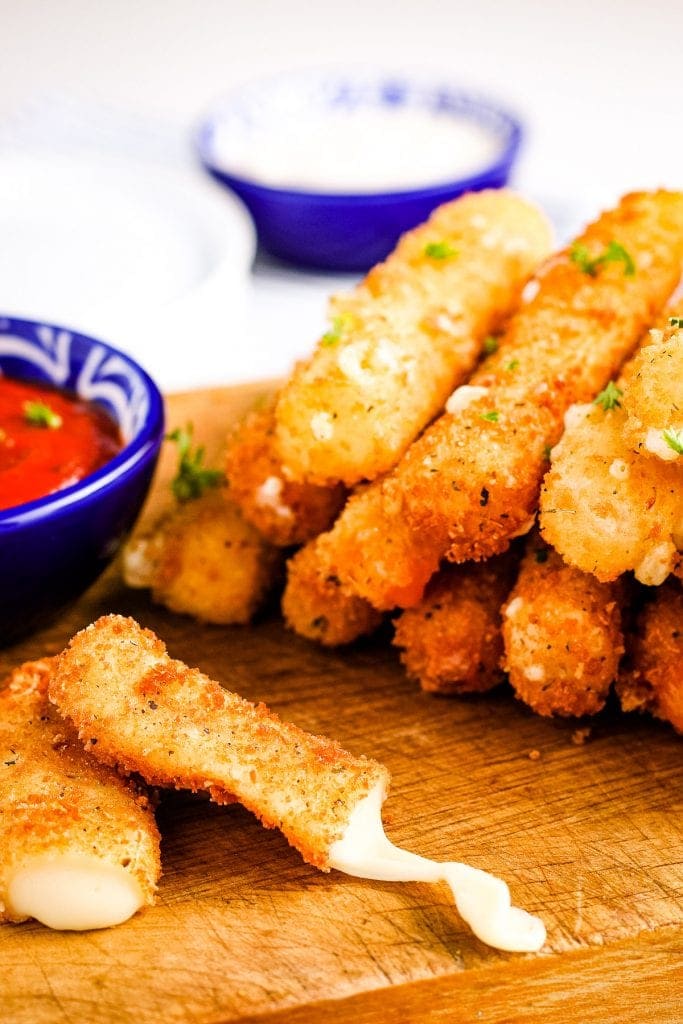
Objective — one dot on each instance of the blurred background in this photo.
(121, 84)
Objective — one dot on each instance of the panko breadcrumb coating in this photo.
(471, 482)
(451, 641)
(59, 804)
(136, 708)
(316, 606)
(203, 559)
(403, 339)
(562, 633)
(284, 511)
(654, 679)
(653, 397)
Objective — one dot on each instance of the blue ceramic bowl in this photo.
(53, 548)
(334, 231)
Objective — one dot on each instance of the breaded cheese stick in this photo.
(176, 727)
(607, 505)
(203, 559)
(654, 679)
(285, 512)
(451, 641)
(563, 635)
(653, 396)
(406, 336)
(79, 847)
(316, 606)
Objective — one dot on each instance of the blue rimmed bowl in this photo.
(51, 549)
(333, 230)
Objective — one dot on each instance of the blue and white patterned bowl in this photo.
(53, 548)
(336, 231)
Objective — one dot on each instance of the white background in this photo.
(599, 86)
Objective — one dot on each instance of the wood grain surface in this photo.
(588, 836)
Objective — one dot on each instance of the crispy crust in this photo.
(176, 727)
(562, 633)
(285, 512)
(653, 680)
(653, 395)
(415, 329)
(451, 641)
(55, 799)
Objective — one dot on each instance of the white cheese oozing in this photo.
(464, 396)
(73, 893)
(483, 900)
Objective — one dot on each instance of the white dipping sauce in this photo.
(367, 150)
(483, 900)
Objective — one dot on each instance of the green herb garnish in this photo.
(340, 324)
(40, 415)
(512, 365)
(491, 416)
(547, 451)
(676, 321)
(609, 398)
(674, 439)
(192, 478)
(440, 251)
(490, 345)
(614, 253)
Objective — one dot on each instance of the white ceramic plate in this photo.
(156, 262)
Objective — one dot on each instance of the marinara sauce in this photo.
(49, 439)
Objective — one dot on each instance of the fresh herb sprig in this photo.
(613, 253)
(38, 414)
(674, 439)
(192, 478)
(609, 397)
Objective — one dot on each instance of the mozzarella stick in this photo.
(138, 709)
(653, 396)
(471, 482)
(285, 512)
(607, 504)
(563, 636)
(653, 680)
(405, 337)
(317, 607)
(79, 847)
(203, 559)
(451, 641)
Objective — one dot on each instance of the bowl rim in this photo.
(510, 142)
(136, 451)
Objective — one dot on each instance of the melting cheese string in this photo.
(483, 900)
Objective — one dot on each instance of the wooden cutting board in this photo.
(589, 836)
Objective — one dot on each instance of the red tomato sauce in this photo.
(37, 457)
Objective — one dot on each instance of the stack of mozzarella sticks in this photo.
(487, 443)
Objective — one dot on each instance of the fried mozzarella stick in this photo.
(471, 482)
(203, 559)
(285, 512)
(654, 680)
(563, 636)
(608, 505)
(402, 340)
(79, 847)
(653, 396)
(176, 727)
(451, 641)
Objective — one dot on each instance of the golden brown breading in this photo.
(203, 559)
(406, 336)
(138, 709)
(316, 606)
(653, 680)
(472, 481)
(653, 397)
(451, 641)
(58, 803)
(562, 633)
(284, 511)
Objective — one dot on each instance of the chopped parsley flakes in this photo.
(440, 251)
(609, 398)
(192, 478)
(490, 345)
(512, 365)
(614, 253)
(674, 439)
(491, 416)
(340, 324)
(676, 321)
(40, 415)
